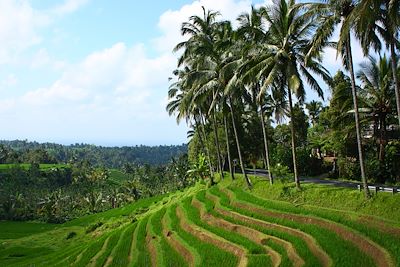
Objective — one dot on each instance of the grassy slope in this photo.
(383, 205)
(35, 241)
(118, 240)
(117, 177)
(12, 230)
(26, 166)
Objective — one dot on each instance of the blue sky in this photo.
(95, 71)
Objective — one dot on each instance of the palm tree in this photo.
(380, 18)
(314, 109)
(181, 103)
(230, 47)
(199, 52)
(378, 91)
(282, 58)
(251, 31)
(329, 14)
(207, 52)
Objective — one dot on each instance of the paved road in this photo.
(354, 185)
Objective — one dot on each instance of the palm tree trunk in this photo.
(381, 140)
(206, 148)
(200, 134)
(238, 145)
(357, 120)
(396, 84)
(220, 167)
(296, 177)
(227, 148)
(271, 179)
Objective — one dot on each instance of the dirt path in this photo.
(241, 230)
(312, 244)
(381, 257)
(171, 239)
(290, 250)
(79, 257)
(92, 262)
(208, 237)
(109, 260)
(380, 225)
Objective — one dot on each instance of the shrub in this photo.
(282, 172)
(93, 227)
(349, 168)
(71, 235)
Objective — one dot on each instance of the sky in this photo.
(96, 71)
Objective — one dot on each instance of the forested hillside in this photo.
(22, 151)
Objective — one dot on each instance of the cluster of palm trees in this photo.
(274, 53)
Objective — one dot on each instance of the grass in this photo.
(210, 255)
(285, 261)
(298, 243)
(169, 225)
(91, 251)
(256, 251)
(141, 254)
(125, 211)
(12, 255)
(40, 242)
(106, 251)
(251, 247)
(13, 230)
(168, 255)
(117, 177)
(120, 238)
(342, 252)
(26, 166)
(383, 205)
(388, 241)
(121, 253)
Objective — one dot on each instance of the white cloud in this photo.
(68, 6)
(98, 95)
(20, 25)
(117, 93)
(42, 59)
(170, 21)
(10, 80)
(18, 28)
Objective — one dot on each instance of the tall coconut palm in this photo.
(380, 19)
(251, 31)
(180, 96)
(378, 91)
(199, 52)
(314, 109)
(330, 14)
(283, 58)
(228, 48)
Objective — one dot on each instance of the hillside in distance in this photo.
(111, 157)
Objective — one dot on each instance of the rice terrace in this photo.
(223, 225)
(200, 133)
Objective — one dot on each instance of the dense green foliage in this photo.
(236, 88)
(57, 193)
(19, 151)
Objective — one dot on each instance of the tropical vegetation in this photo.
(243, 91)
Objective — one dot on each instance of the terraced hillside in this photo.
(218, 226)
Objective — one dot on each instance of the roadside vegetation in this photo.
(244, 91)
